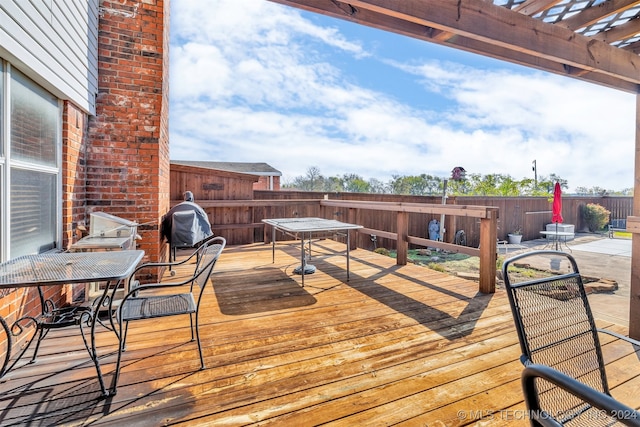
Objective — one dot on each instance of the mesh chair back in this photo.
(555, 325)
(208, 257)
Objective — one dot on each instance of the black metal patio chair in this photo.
(564, 380)
(155, 300)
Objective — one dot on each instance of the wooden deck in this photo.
(393, 346)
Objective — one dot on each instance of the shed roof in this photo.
(260, 169)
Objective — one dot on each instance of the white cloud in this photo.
(255, 81)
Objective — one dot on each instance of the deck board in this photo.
(401, 345)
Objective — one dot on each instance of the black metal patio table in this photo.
(57, 269)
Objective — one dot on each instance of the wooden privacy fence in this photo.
(400, 218)
(530, 214)
(240, 220)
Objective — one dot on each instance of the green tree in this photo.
(426, 184)
(333, 184)
(353, 183)
(378, 187)
(507, 186)
(399, 185)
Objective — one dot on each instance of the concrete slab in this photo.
(601, 257)
(617, 247)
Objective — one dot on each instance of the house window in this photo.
(30, 166)
(3, 200)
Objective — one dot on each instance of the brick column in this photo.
(128, 147)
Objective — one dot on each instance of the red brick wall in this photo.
(128, 149)
(74, 143)
(264, 181)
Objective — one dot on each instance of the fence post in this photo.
(352, 218)
(488, 251)
(633, 225)
(402, 219)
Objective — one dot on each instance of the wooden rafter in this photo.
(633, 47)
(594, 14)
(620, 32)
(531, 7)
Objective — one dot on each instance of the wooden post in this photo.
(634, 291)
(402, 219)
(488, 251)
(265, 227)
(323, 211)
(352, 218)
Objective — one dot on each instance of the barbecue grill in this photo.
(108, 232)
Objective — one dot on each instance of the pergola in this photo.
(597, 41)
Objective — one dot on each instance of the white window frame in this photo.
(6, 164)
(4, 138)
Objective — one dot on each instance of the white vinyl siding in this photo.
(55, 43)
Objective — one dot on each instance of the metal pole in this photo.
(302, 257)
(348, 245)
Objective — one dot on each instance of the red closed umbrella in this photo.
(557, 209)
(557, 204)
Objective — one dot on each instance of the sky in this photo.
(256, 81)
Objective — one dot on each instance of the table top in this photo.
(306, 225)
(557, 233)
(68, 267)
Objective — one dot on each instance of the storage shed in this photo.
(269, 177)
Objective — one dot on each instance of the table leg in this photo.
(348, 246)
(273, 244)
(302, 259)
(93, 351)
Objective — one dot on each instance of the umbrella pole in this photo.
(557, 237)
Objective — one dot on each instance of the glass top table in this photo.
(50, 269)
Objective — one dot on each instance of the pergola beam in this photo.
(480, 27)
